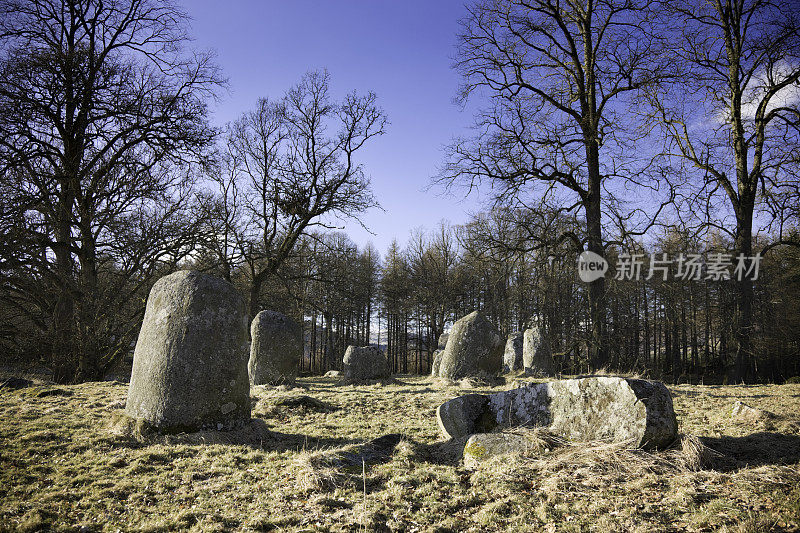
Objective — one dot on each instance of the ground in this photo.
(69, 461)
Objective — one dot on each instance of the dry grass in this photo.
(68, 460)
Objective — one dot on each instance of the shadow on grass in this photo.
(124, 432)
(757, 449)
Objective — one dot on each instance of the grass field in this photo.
(69, 461)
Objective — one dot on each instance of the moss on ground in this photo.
(69, 461)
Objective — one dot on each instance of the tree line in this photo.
(674, 329)
(620, 127)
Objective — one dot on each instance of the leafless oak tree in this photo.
(99, 103)
(735, 116)
(560, 78)
(295, 166)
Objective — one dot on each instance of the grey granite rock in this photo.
(465, 415)
(436, 363)
(474, 349)
(443, 340)
(364, 363)
(512, 357)
(190, 362)
(596, 408)
(483, 446)
(537, 359)
(275, 349)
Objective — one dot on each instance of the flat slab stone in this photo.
(596, 408)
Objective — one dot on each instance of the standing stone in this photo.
(474, 350)
(604, 408)
(364, 363)
(437, 363)
(275, 349)
(443, 340)
(512, 358)
(190, 362)
(537, 358)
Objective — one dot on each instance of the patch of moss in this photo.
(475, 449)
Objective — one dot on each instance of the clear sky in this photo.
(400, 49)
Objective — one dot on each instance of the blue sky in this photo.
(401, 50)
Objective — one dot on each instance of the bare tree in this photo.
(559, 76)
(293, 174)
(743, 58)
(432, 260)
(99, 103)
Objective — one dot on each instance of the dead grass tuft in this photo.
(337, 467)
(550, 455)
(692, 455)
(328, 470)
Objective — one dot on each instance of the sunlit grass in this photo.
(68, 460)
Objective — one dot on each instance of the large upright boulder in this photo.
(190, 362)
(512, 357)
(275, 349)
(364, 363)
(606, 408)
(474, 349)
(537, 359)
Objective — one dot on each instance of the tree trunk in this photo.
(744, 300)
(63, 349)
(598, 345)
(90, 367)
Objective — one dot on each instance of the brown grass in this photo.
(68, 459)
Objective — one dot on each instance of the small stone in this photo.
(742, 411)
(15, 383)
